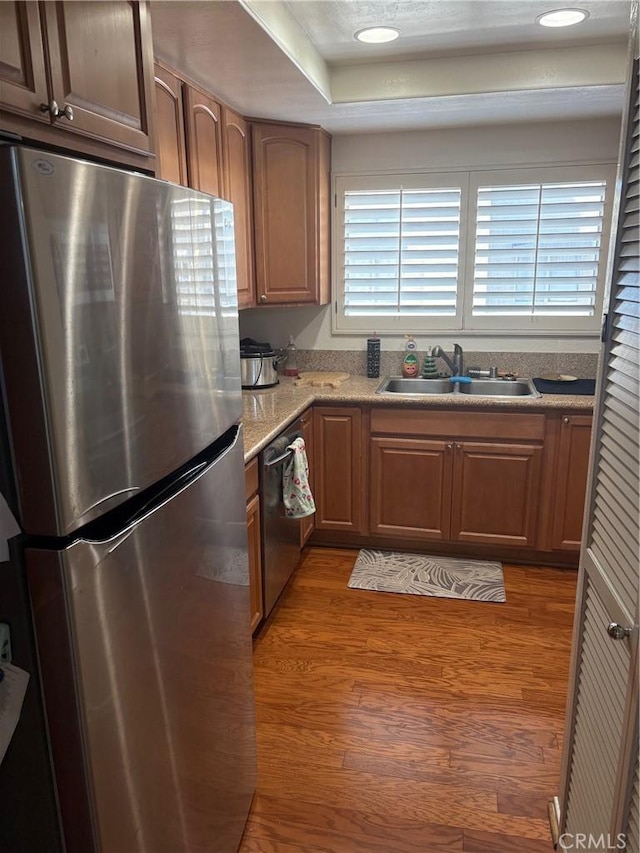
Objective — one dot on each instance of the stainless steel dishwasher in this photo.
(281, 535)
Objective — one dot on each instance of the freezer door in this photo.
(152, 679)
(118, 332)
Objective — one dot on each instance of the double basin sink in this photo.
(474, 388)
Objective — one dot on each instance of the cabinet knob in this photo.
(618, 632)
(565, 420)
(458, 447)
(449, 446)
(263, 298)
(52, 108)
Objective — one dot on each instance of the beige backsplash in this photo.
(583, 365)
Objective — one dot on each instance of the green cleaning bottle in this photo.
(410, 366)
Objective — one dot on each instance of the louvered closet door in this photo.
(600, 783)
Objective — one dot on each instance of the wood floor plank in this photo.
(377, 735)
(341, 829)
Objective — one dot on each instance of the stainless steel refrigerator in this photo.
(127, 595)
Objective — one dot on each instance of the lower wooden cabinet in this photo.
(496, 489)
(410, 488)
(457, 476)
(570, 476)
(307, 524)
(255, 562)
(443, 490)
(338, 468)
(256, 595)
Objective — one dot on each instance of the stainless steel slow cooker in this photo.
(258, 364)
(259, 370)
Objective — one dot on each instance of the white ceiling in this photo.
(457, 62)
(431, 27)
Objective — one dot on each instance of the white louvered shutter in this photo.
(401, 252)
(602, 726)
(537, 249)
(633, 824)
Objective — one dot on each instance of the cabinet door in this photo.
(204, 141)
(307, 524)
(23, 83)
(285, 193)
(255, 562)
(337, 434)
(410, 492)
(171, 162)
(571, 481)
(238, 174)
(495, 492)
(101, 57)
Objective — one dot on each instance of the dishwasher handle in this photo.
(282, 458)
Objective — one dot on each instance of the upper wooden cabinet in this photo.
(203, 117)
(171, 153)
(72, 70)
(23, 81)
(237, 164)
(571, 481)
(291, 167)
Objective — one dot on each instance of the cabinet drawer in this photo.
(425, 422)
(251, 477)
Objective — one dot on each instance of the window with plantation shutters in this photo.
(537, 249)
(401, 252)
(501, 251)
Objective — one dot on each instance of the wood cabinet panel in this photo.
(203, 116)
(338, 468)
(410, 488)
(289, 162)
(23, 82)
(251, 477)
(171, 162)
(571, 481)
(237, 164)
(255, 562)
(307, 524)
(495, 493)
(458, 424)
(101, 64)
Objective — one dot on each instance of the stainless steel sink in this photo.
(500, 388)
(401, 385)
(475, 388)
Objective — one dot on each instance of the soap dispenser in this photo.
(291, 365)
(410, 365)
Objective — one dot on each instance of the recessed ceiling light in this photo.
(377, 35)
(562, 18)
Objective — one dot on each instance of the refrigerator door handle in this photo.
(163, 496)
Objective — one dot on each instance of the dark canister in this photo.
(373, 357)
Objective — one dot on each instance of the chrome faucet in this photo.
(455, 365)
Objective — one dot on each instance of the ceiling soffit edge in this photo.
(283, 29)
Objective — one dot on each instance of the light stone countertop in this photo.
(268, 412)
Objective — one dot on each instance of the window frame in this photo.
(463, 323)
(403, 323)
(538, 325)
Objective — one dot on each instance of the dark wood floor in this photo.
(406, 723)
